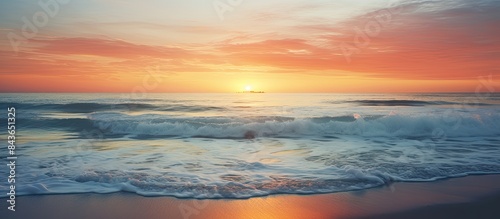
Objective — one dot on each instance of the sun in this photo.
(248, 88)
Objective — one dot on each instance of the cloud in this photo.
(91, 56)
(428, 40)
(419, 40)
(105, 48)
(455, 42)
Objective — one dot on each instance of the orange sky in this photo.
(274, 46)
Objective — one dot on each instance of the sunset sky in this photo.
(270, 45)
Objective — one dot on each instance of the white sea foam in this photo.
(234, 146)
(454, 125)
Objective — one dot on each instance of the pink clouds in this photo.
(447, 44)
(423, 41)
(105, 48)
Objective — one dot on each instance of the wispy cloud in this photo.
(419, 40)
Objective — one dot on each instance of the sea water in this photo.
(244, 145)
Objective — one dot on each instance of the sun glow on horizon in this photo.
(113, 53)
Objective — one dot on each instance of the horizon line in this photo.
(240, 92)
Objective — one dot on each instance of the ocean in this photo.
(244, 145)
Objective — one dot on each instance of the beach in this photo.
(268, 156)
(236, 146)
(466, 197)
(237, 109)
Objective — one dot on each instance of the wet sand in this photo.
(466, 197)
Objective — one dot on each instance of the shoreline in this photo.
(486, 207)
(477, 195)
